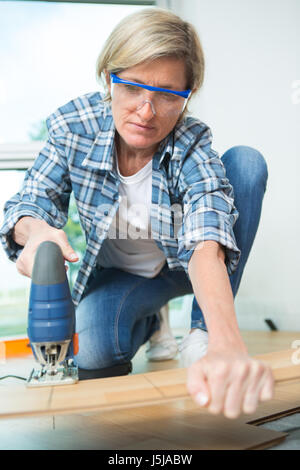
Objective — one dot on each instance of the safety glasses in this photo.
(163, 101)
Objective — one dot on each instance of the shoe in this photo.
(162, 344)
(112, 371)
(193, 347)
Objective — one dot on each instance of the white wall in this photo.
(251, 96)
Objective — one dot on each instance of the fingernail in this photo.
(73, 256)
(201, 399)
(266, 395)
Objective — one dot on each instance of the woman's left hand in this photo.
(230, 382)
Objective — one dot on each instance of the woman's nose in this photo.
(146, 110)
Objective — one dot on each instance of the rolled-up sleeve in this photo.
(44, 195)
(209, 212)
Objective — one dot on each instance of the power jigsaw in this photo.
(51, 320)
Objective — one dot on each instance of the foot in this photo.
(193, 347)
(162, 344)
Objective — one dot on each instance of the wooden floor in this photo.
(257, 342)
(147, 427)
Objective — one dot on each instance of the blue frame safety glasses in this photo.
(184, 94)
(164, 101)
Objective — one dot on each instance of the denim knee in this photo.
(249, 163)
(107, 334)
(96, 337)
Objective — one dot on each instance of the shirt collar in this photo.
(169, 147)
(100, 155)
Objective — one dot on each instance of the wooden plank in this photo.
(16, 401)
(195, 429)
(151, 427)
(285, 364)
(286, 401)
(263, 342)
(108, 393)
(116, 392)
(155, 408)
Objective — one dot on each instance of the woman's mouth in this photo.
(142, 127)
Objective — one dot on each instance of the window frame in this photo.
(19, 156)
(105, 2)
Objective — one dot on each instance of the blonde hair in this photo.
(147, 35)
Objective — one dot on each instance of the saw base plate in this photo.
(63, 376)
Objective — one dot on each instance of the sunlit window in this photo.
(14, 288)
(48, 54)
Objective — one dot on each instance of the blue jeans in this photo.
(119, 311)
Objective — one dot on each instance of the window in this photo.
(14, 288)
(48, 52)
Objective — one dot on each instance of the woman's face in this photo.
(142, 128)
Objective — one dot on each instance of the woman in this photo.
(157, 210)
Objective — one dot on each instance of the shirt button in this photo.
(106, 213)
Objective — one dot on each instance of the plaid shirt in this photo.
(192, 200)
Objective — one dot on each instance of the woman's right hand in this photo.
(33, 232)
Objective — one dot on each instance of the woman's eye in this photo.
(132, 88)
(169, 97)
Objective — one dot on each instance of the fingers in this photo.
(24, 264)
(25, 261)
(267, 390)
(230, 387)
(69, 254)
(260, 378)
(67, 251)
(243, 394)
(232, 399)
(197, 384)
(218, 384)
(253, 382)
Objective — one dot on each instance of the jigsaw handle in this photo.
(51, 310)
(49, 265)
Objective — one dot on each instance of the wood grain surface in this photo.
(142, 411)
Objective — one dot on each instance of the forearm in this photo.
(213, 292)
(25, 227)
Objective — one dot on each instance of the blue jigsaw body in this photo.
(51, 319)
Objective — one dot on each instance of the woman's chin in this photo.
(139, 142)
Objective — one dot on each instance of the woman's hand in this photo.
(32, 233)
(230, 382)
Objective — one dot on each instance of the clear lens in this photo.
(163, 104)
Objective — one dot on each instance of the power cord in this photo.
(13, 377)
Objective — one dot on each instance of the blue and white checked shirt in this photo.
(192, 200)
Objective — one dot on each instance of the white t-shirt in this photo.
(131, 248)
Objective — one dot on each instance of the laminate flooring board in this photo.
(197, 430)
(153, 428)
(127, 391)
(19, 401)
(264, 342)
(141, 411)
